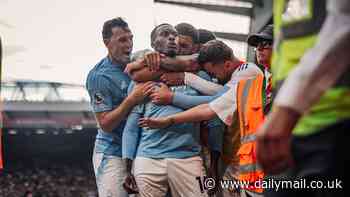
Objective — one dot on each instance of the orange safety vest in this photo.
(250, 108)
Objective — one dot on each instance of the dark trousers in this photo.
(320, 162)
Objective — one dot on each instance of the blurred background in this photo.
(48, 47)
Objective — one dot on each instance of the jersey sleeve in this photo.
(98, 87)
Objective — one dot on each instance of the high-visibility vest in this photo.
(296, 25)
(250, 108)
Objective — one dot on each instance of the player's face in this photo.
(120, 45)
(164, 41)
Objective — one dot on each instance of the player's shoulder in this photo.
(96, 79)
(246, 66)
(96, 72)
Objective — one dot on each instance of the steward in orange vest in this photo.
(251, 101)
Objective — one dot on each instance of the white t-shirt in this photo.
(225, 105)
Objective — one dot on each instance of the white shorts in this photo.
(155, 176)
(110, 173)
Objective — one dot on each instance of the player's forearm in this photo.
(108, 121)
(144, 74)
(185, 101)
(196, 114)
(173, 64)
(131, 136)
(203, 86)
(133, 66)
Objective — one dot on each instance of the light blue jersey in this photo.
(107, 85)
(177, 141)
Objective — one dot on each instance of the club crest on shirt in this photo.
(98, 98)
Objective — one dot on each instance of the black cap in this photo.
(265, 35)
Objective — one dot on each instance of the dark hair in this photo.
(187, 29)
(153, 33)
(215, 51)
(110, 24)
(205, 36)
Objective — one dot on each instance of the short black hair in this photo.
(205, 36)
(153, 33)
(187, 29)
(214, 51)
(110, 24)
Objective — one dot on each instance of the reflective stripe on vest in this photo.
(248, 138)
(243, 169)
(245, 99)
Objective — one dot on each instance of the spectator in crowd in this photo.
(48, 180)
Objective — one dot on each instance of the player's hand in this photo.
(173, 79)
(162, 95)
(155, 123)
(141, 91)
(133, 66)
(152, 60)
(130, 184)
(273, 140)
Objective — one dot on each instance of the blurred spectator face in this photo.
(164, 41)
(120, 45)
(264, 53)
(186, 45)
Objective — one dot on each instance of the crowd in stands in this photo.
(48, 180)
